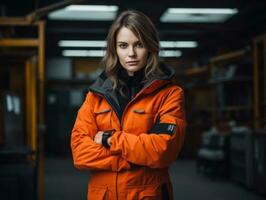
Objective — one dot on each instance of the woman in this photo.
(131, 126)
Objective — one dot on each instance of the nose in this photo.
(131, 52)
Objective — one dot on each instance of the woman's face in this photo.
(131, 52)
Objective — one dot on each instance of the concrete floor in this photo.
(62, 181)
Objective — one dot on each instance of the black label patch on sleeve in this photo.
(163, 128)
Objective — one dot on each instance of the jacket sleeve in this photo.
(86, 153)
(156, 149)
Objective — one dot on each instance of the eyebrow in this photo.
(127, 42)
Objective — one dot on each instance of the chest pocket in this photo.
(103, 118)
(141, 121)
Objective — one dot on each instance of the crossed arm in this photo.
(154, 149)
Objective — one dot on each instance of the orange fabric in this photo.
(136, 164)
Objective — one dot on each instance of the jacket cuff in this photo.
(114, 147)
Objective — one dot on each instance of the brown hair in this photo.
(145, 30)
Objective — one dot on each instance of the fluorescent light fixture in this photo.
(85, 12)
(202, 11)
(82, 43)
(83, 53)
(101, 53)
(170, 53)
(178, 44)
(197, 15)
(102, 43)
(97, 8)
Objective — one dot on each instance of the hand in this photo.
(108, 141)
(98, 137)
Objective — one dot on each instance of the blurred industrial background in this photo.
(50, 53)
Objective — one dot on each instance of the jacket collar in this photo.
(103, 84)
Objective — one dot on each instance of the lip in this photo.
(132, 62)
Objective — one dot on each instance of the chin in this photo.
(132, 69)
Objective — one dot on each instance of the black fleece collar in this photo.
(103, 84)
(134, 80)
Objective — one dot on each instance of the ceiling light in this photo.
(82, 43)
(178, 44)
(83, 53)
(97, 8)
(197, 15)
(170, 53)
(202, 10)
(102, 43)
(85, 12)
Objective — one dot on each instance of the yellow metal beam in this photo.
(41, 69)
(196, 71)
(31, 102)
(15, 21)
(228, 56)
(19, 42)
(41, 120)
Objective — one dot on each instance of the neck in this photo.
(130, 73)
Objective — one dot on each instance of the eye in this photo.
(122, 45)
(139, 45)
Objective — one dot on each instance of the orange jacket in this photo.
(147, 139)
